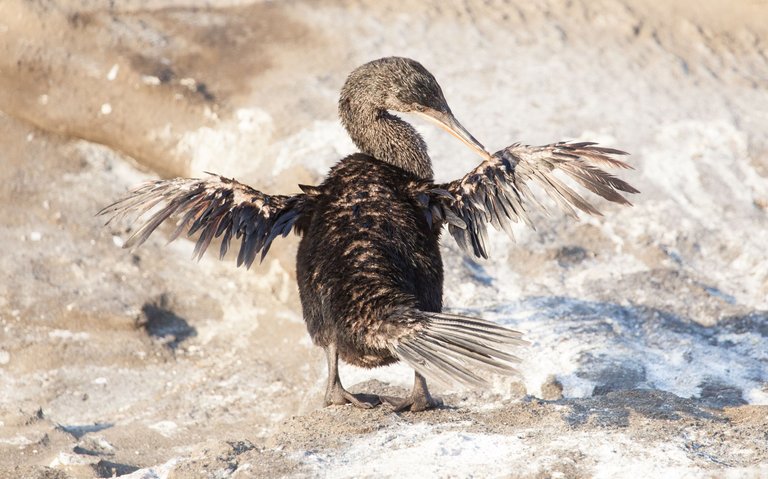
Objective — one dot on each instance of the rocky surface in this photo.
(649, 326)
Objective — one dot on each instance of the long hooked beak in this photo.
(449, 123)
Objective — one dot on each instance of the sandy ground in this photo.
(649, 326)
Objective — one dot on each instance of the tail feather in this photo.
(446, 368)
(475, 352)
(450, 348)
(474, 342)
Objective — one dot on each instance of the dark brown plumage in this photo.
(369, 268)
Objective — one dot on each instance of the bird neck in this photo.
(387, 138)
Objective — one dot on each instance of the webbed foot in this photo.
(413, 403)
(337, 395)
(418, 400)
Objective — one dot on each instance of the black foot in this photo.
(413, 403)
(339, 396)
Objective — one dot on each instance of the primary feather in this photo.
(216, 207)
(498, 190)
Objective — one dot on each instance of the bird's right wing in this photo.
(498, 192)
(215, 207)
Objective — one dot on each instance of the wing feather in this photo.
(498, 190)
(214, 207)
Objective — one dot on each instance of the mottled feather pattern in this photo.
(383, 302)
(214, 207)
(368, 255)
(498, 192)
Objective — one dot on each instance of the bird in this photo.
(369, 267)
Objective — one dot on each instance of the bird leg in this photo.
(418, 400)
(335, 392)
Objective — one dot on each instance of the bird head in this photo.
(404, 85)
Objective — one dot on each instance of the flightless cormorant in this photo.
(369, 270)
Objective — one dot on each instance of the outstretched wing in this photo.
(498, 192)
(214, 207)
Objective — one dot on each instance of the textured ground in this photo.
(649, 326)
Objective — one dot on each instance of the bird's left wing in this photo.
(498, 192)
(213, 207)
